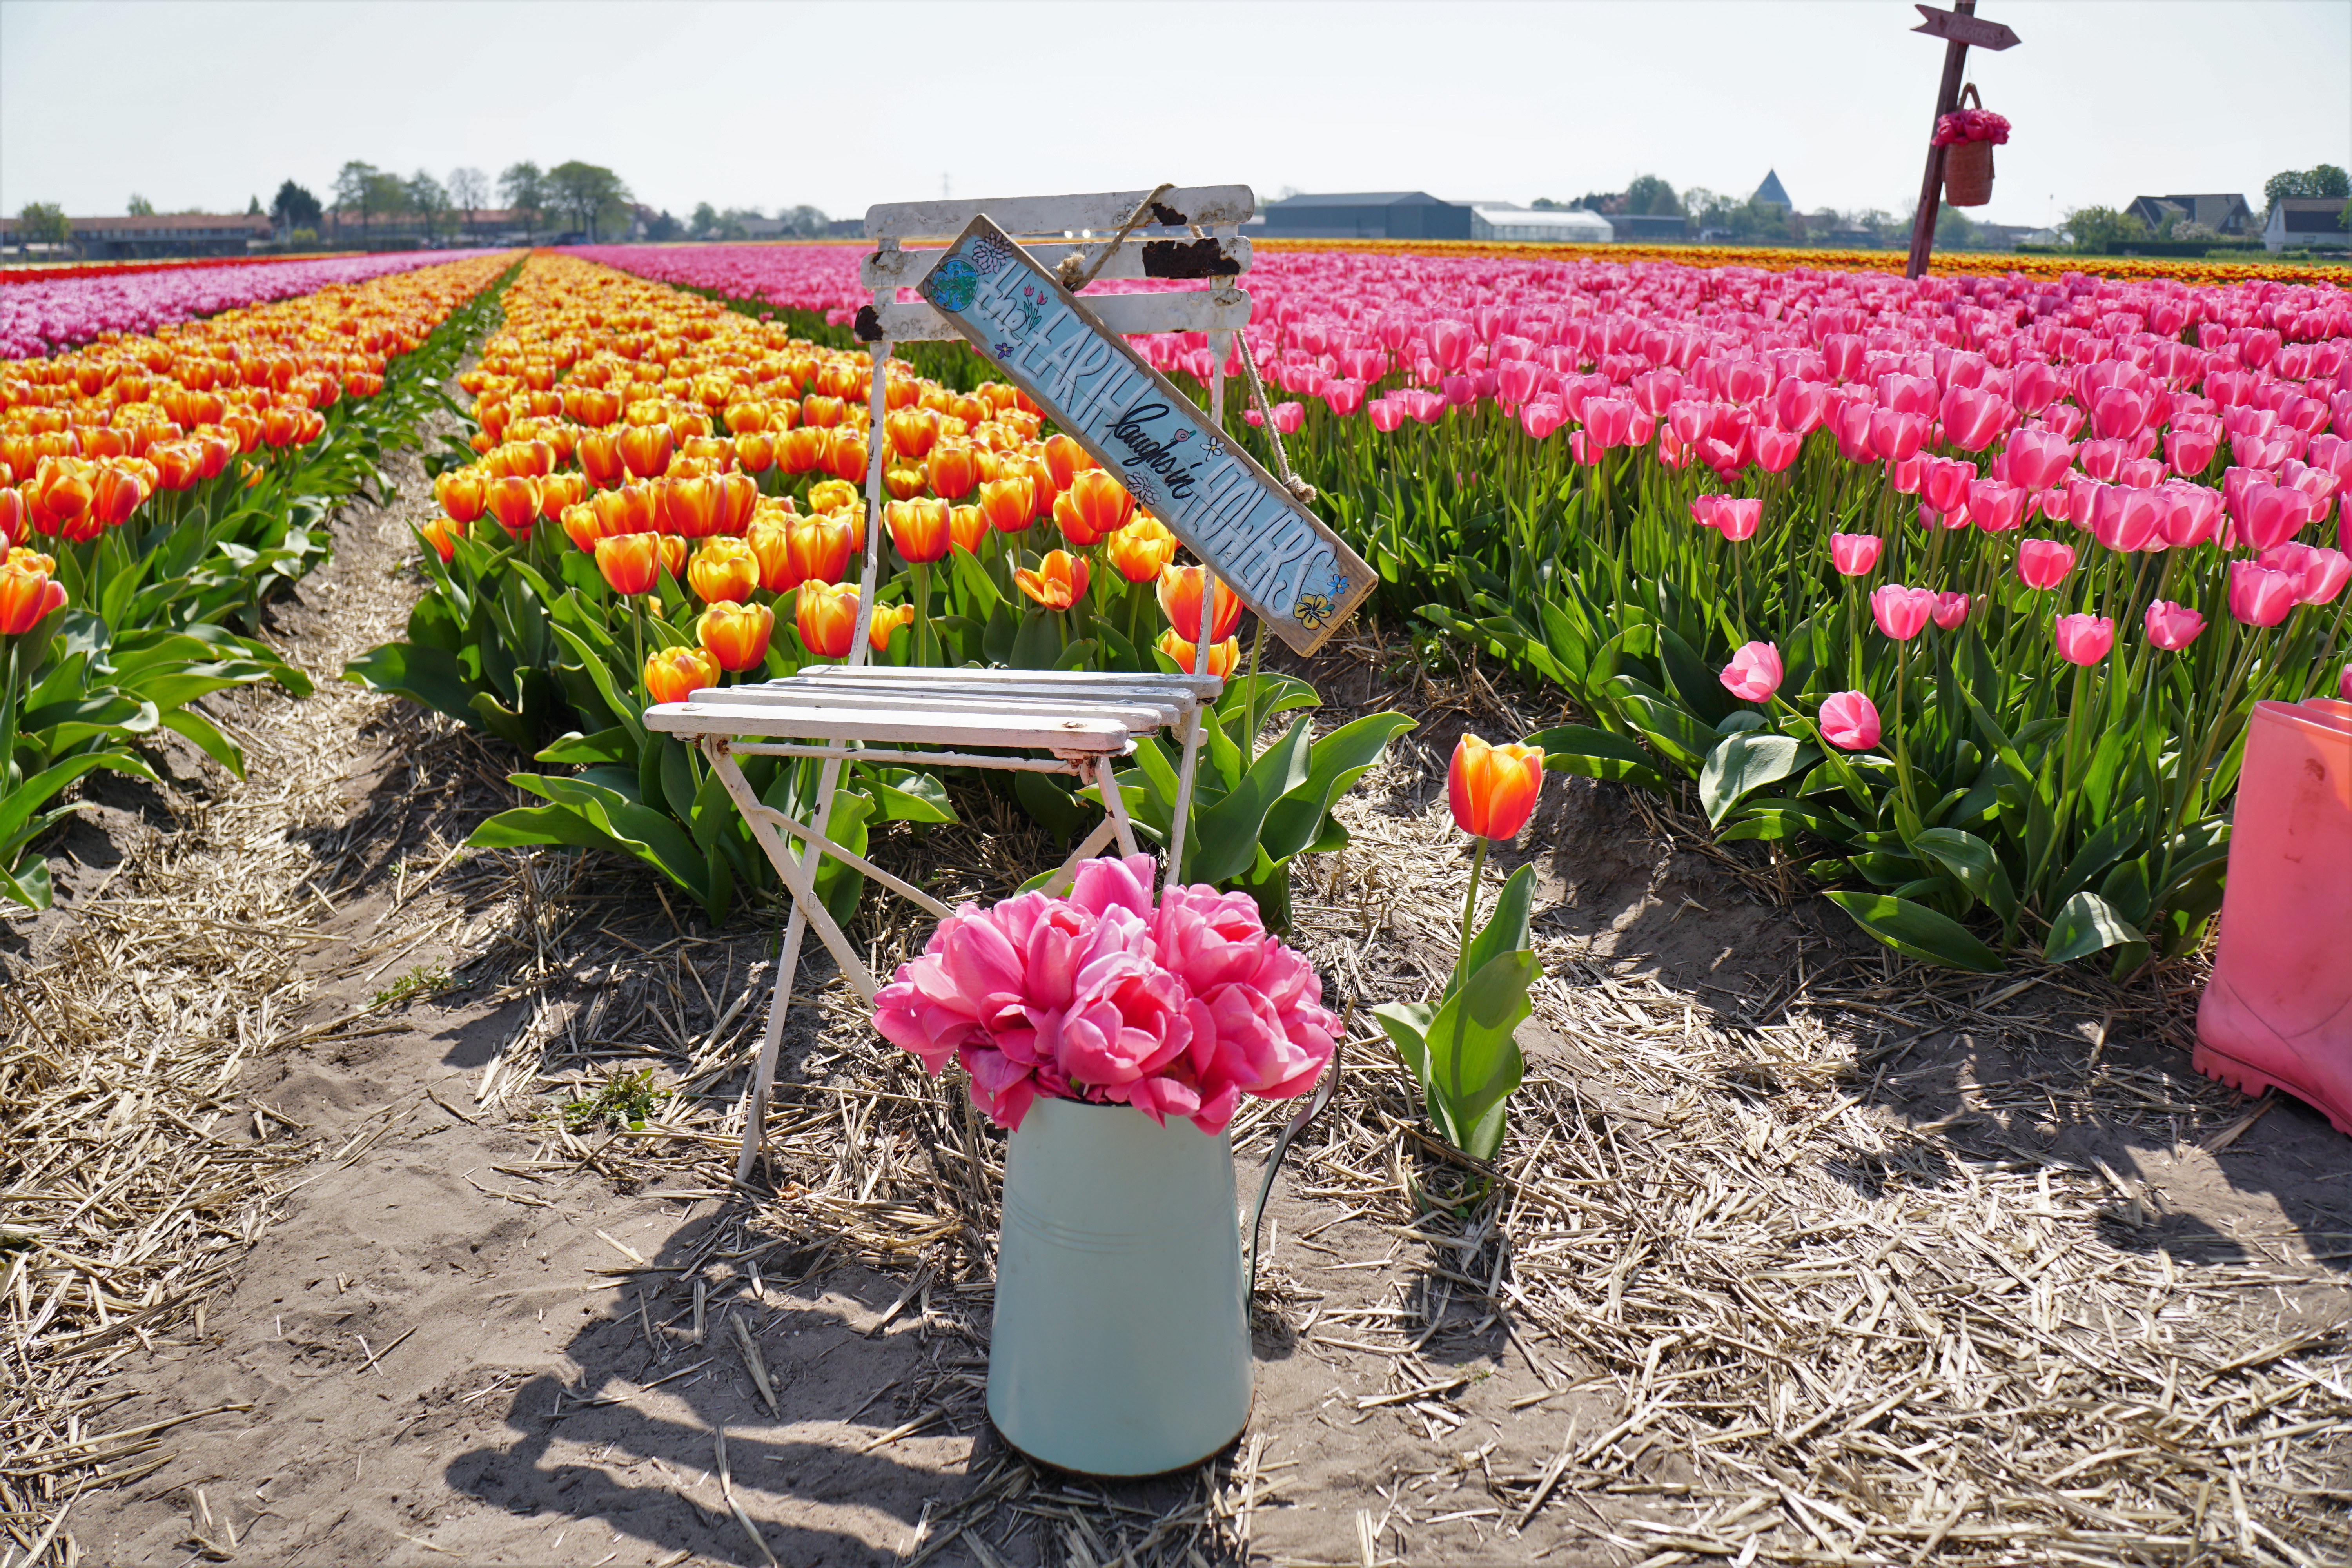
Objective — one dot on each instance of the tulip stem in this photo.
(1470, 908)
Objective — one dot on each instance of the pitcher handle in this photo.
(1324, 1090)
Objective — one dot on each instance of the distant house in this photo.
(1772, 193)
(2306, 223)
(845, 228)
(1571, 225)
(159, 233)
(1377, 215)
(1649, 228)
(2224, 213)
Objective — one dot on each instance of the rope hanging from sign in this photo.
(1290, 481)
(1073, 277)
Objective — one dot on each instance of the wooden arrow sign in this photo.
(1286, 564)
(1954, 28)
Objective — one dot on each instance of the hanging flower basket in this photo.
(1971, 134)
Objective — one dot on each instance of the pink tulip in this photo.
(1777, 449)
(1541, 419)
(2034, 386)
(1895, 435)
(1754, 672)
(1609, 420)
(2084, 640)
(1387, 414)
(1855, 554)
(2172, 626)
(1449, 343)
(1739, 519)
(2037, 459)
(2267, 514)
(1343, 396)
(1951, 610)
(2192, 513)
(2116, 413)
(2129, 519)
(1848, 722)
(2043, 562)
(1797, 407)
(2057, 505)
(1994, 507)
(1973, 418)
(1944, 483)
(2318, 572)
(1901, 613)
(2190, 452)
(2260, 596)
(1905, 476)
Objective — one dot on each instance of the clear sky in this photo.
(205, 103)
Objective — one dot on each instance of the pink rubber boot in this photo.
(2278, 1011)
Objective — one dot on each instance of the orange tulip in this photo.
(745, 418)
(1059, 582)
(919, 528)
(630, 563)
(178, 463)
(845, 454)
(1180, 601)
(823, 410)
(116, 495)
(580, 527)
(532, 459)
(1223, 655)
(442, 534)
(888, 618)
(673, 553)
(1065, 459)
(723, 569)
(675, 674)
(903, 484)
(819, 548)
(826, 616)
(61, 489)
(514, 501)
(26, 593)
(1140, 549)
(913, 431)
(834, 495)
(590, 405)
(954, 471)
(689, 506)
(631, 509)
(1493, 789)
(599, 459)
(967, 526)
(15, 519)
(462, 493)
(736, 635)
(755, 451)
(646, 448)
(800, 450)
(1007, 503)
(1095, 506)
(558, 491)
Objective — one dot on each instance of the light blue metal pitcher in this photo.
(1121, 1345)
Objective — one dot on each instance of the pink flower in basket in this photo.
(1972, 125)
(1177, 1009)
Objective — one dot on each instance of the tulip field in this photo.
(1952, 597)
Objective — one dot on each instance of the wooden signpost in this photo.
(1288, 566)
(1958, 29)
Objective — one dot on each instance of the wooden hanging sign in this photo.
(1286, 564)
(1959, 27)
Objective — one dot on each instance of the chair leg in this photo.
(763, 1071)
(1115, 806)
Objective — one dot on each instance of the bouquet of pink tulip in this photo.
(1177, 1009)
(1972, 125)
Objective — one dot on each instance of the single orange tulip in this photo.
(646, 448)
(15, 519)
(1223, 655)
(800, 450)
(674, 551)
(630, 563)
(514, 501)
(1180, 601)
(734, 498)
(26, 593)
(116, 493)
(845, 454)
(1140, 549)
(834, 495)
(532, 459)
(824, 412)
(558, 491)
(61, 489)
(967, 526)
(178, 464)
(1064, 459)
(462, 493)
(971, 410)
(1059, 580)
(675, 674)
(736, 635)
(745, 418)
(755, 451)
(590, 405)
(580, 527)
(1493, 789)
(599, 459)
(919, 528)
(954, 471)
(825, 615)
(1006, 503)
(631, 509)
(819, 548)
(724, 568)
(903, 484)
(1095, 506)
(689, 506)
(913, 432)
(442, 534)
(1043, 492)
(888, 618)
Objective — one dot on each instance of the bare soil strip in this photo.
(367, 1200)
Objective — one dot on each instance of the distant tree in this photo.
(705, 221)
(2320, 179)
(665, 228)
(1545, 204)
(523, 188)
(294, 208)
(388, 194)
(469, 191)
(1955, 229)
(253, 207)
(2344, 218)
(1651, 196)
(2096, 229)
(807, 222)
(42, 223)
(355, 191)
(589, 194)
(141, 207)
(429, 199)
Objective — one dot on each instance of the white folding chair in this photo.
(973, 718)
